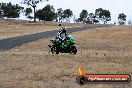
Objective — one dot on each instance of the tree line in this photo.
(48, 13)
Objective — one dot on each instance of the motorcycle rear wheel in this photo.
(53, 49)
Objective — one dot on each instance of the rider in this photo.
(64, 38)
(61, 35)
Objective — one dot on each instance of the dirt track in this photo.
(9, 43)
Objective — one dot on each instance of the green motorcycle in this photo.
(67, 46)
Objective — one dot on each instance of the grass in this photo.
(103, 51)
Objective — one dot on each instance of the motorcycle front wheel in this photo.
(73, 50)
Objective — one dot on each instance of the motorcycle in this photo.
(67, 46)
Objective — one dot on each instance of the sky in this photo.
(114, 6)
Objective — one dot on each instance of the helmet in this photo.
(64, 29)
(68, 37)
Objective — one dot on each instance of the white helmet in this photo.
(68, 36)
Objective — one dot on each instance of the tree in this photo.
(28, 11)
(106, 16)
(39, 15)
(121, 18)
(0, 10)
(67, 14)
(83, 15)
(33, 4)
(56, 17)
(60, 14)
(47, 13)
(103, 15)
(10, 11)
(91, 18)
(98, 12)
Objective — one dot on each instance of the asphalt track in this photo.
(10, 43)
